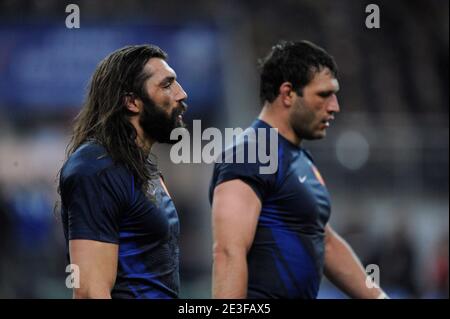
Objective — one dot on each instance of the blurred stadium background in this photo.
(385, 159)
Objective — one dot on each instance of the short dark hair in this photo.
(295, 62)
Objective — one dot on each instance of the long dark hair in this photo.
(104, 117)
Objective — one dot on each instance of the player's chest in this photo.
(302, 191)
(153, 217)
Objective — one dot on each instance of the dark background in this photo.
(385, 159)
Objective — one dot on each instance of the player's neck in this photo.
(271, 116)
(143, 141)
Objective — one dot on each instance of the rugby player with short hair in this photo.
(271, 233)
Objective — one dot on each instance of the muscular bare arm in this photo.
(235, 213)
(97, 262)
(343, 268)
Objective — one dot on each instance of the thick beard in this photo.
(157, 124)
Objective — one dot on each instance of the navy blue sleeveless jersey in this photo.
(287, 255)
(102, 202)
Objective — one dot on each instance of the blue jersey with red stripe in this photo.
(287, 255)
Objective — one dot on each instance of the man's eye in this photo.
(325, 94)
(167, 85)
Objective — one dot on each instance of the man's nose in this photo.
(181, 94)
(333, 106)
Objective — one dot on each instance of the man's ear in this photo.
(132, 103)
(286, 93)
